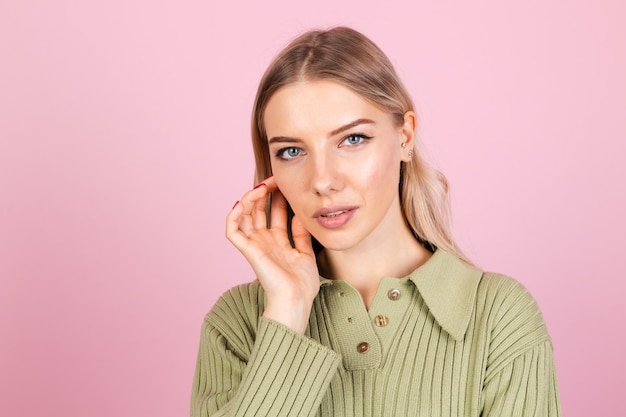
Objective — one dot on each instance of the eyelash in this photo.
(280, 154)
(361, 136)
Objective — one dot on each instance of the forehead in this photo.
(316, 107)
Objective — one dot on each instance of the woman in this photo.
(364, 305)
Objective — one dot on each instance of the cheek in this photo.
(290, 183)
(288, 187)
(381, 170)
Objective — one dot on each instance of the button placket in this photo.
(355, 333)
(388, 310)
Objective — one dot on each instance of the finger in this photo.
(278, 215)
(301, 236)
(236, 235)
(261, 190)
(270, 182)
(233, 233)
(258, 215)
(239, 226)
(253, 214)
(246, 224)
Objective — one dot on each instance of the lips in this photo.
(334, 217)
(334, 214)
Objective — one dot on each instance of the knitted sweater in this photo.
(448, 340)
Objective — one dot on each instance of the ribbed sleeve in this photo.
(286, 374)
(520, 374)
(524, 387)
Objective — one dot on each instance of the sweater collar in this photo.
(448, 287)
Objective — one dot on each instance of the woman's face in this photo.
(336, 159)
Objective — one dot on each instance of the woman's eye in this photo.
(355, 139)
(289, 153)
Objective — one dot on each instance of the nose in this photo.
(324, 175)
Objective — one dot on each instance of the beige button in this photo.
(363, 347)
(381, 321)
(394, 294)
(342, 294)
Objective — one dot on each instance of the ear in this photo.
(407, 135)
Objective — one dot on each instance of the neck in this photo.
(364, 267)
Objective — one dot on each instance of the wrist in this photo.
(294, 315)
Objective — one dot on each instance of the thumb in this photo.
(301, 236)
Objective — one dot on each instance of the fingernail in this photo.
(271, 175)
(258, 185)
(235, 204)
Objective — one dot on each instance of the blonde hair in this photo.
(348, 57)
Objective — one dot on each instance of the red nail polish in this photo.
(271, 175)
(258, 185)
(235, 204)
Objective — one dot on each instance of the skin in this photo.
(336, 158)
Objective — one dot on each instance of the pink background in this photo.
(124, 141)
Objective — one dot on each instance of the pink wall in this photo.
(124, 142)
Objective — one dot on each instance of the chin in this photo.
(334, 243)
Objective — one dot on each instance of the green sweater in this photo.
(448, 340)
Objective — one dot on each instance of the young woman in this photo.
(363, 304)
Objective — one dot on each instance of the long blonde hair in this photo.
(348, 57)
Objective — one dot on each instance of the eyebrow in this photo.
(357, 122)
(351, 125)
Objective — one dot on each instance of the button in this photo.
(381, 321)
(363, 347)
(342, 294)
(349, 319)
(394, 294)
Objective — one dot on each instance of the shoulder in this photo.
(243, 303)
(235, 315)
(243, 297)
(512, 317)
(508, 301)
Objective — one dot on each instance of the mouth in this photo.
(334, 214)
(333, 211)
(334, 217)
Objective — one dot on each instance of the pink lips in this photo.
(334, 217)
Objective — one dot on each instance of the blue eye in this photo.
(355, 139)
(288, 153)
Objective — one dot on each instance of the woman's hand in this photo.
(288, 275)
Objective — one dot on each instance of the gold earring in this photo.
(403, 144)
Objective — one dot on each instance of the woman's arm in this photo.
(270, 370)
(520, 377)
(278, 372)
(525, 387)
